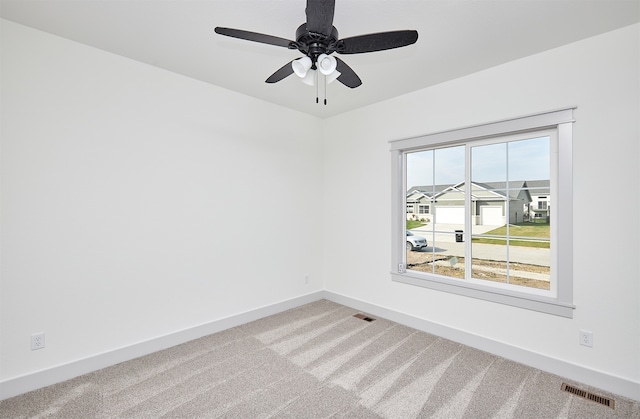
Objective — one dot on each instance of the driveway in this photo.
(446, 232)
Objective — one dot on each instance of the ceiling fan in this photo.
(317, 39)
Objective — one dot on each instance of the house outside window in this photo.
(423, 209)
(480, 243)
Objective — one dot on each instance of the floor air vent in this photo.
(589, 396)
(363, 317)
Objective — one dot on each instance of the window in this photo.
(423, 209)
(482, 242)
(409, 208)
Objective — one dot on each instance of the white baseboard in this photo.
(578, 373)
(33, 381)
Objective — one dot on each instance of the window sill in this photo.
(522, 300)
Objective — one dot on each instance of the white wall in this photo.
(601, 76)
(128, 200)
(137, 203)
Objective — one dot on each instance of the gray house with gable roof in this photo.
(540, 206)
(492, 203)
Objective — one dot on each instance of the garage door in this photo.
(491, 216)
(449, 215)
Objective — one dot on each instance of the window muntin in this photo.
(504, 144)
(494, 207)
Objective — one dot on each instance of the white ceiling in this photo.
(456, 37)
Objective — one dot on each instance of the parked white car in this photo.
(415, 242)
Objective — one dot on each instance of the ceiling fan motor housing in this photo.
(313, 44)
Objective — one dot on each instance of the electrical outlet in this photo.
(586, 338)
(306, 279)
(37, 341)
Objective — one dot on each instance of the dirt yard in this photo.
(520, 274)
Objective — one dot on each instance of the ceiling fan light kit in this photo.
(309, 78)
(301, 66)
(317, 39)
(327, 64)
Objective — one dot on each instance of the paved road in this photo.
(443, 240)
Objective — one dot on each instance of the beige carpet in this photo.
(316, 361)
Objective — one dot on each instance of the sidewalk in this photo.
(512, 273)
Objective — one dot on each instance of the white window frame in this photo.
(560, 301)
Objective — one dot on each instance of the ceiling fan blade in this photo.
(254, 36)
(320, 16)
(376, 42)
(284, 71)
(348, 77)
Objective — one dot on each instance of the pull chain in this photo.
(317, 84)
(317, 87)
(325, 90)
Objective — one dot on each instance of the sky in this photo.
(516, 160)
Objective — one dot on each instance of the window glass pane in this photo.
(530, 239)
(449, 256)
(511, 240)
(449, 165)
(420, 170)
(489, 163)
(530, 159)
(489, 261)
(441, 257)
(435, 182)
